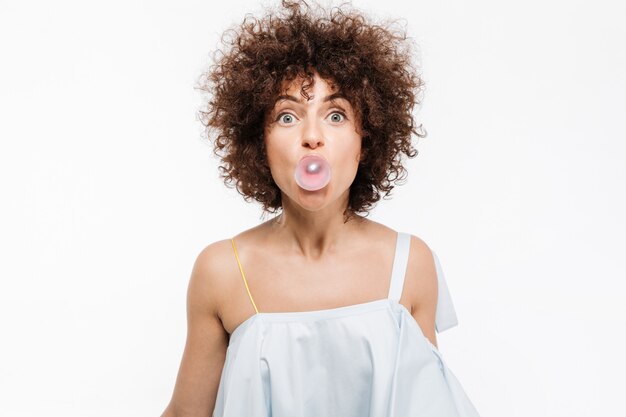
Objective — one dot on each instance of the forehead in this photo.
(320, 89)
(316, 82)
(301, 100)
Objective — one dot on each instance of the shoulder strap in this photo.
(400, 262)
(243, 275)
(445, 316)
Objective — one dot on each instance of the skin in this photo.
(317, 261)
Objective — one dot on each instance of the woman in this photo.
(318, 311)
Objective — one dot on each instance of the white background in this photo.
(109, 192)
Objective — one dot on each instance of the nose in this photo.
(312, 135)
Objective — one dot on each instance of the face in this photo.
(323, 125)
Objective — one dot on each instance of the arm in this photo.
(422, 279)
(205, 349)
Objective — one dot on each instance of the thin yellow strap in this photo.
(243, 276)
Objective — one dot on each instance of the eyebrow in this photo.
(295, 99)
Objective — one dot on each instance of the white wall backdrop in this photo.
(109, 193)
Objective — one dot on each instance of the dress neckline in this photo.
(342, 311)
(398, 270)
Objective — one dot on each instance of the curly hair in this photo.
(368, 62)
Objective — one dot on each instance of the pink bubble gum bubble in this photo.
(312, 172)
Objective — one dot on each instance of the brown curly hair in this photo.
(366, 61)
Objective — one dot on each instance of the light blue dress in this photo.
(362, 360)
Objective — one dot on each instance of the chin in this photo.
(313, 200)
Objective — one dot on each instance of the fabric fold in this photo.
(424, 386)
(445, 316)
(366, 360)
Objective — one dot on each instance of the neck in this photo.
(315, 234)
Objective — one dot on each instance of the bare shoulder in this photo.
(420, 287)
(210, 278)
(214, 258)
(421, 256)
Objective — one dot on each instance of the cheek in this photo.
(278, 162)
(356, 149)
(351, 157)
(272, 153)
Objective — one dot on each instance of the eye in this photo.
(343, 116)
(289, 118)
